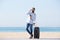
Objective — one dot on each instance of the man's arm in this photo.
(30, 14)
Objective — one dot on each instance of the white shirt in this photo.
(31, 21)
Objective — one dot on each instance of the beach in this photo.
(26, 35)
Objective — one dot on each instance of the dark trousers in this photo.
(29, 28)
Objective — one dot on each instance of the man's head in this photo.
(33, 9)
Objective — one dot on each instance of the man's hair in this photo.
(33, 8)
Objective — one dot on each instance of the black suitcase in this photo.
(36, 32)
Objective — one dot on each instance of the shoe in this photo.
(31, 37)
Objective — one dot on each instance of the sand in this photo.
(26, 35)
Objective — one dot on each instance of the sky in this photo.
(13, 12)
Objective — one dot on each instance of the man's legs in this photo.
(28, 25)
(30, 31)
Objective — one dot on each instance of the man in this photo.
(31, 20)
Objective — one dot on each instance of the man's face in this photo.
(33, 9)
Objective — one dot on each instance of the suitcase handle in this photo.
(35, 24)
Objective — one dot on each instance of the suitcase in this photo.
(36, 32)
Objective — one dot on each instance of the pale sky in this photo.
(13, 12)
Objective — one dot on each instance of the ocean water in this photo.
(23, 29)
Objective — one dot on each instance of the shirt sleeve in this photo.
(34, 19)
(29, 13)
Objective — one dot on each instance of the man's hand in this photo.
(34, 24)
(30, 17)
